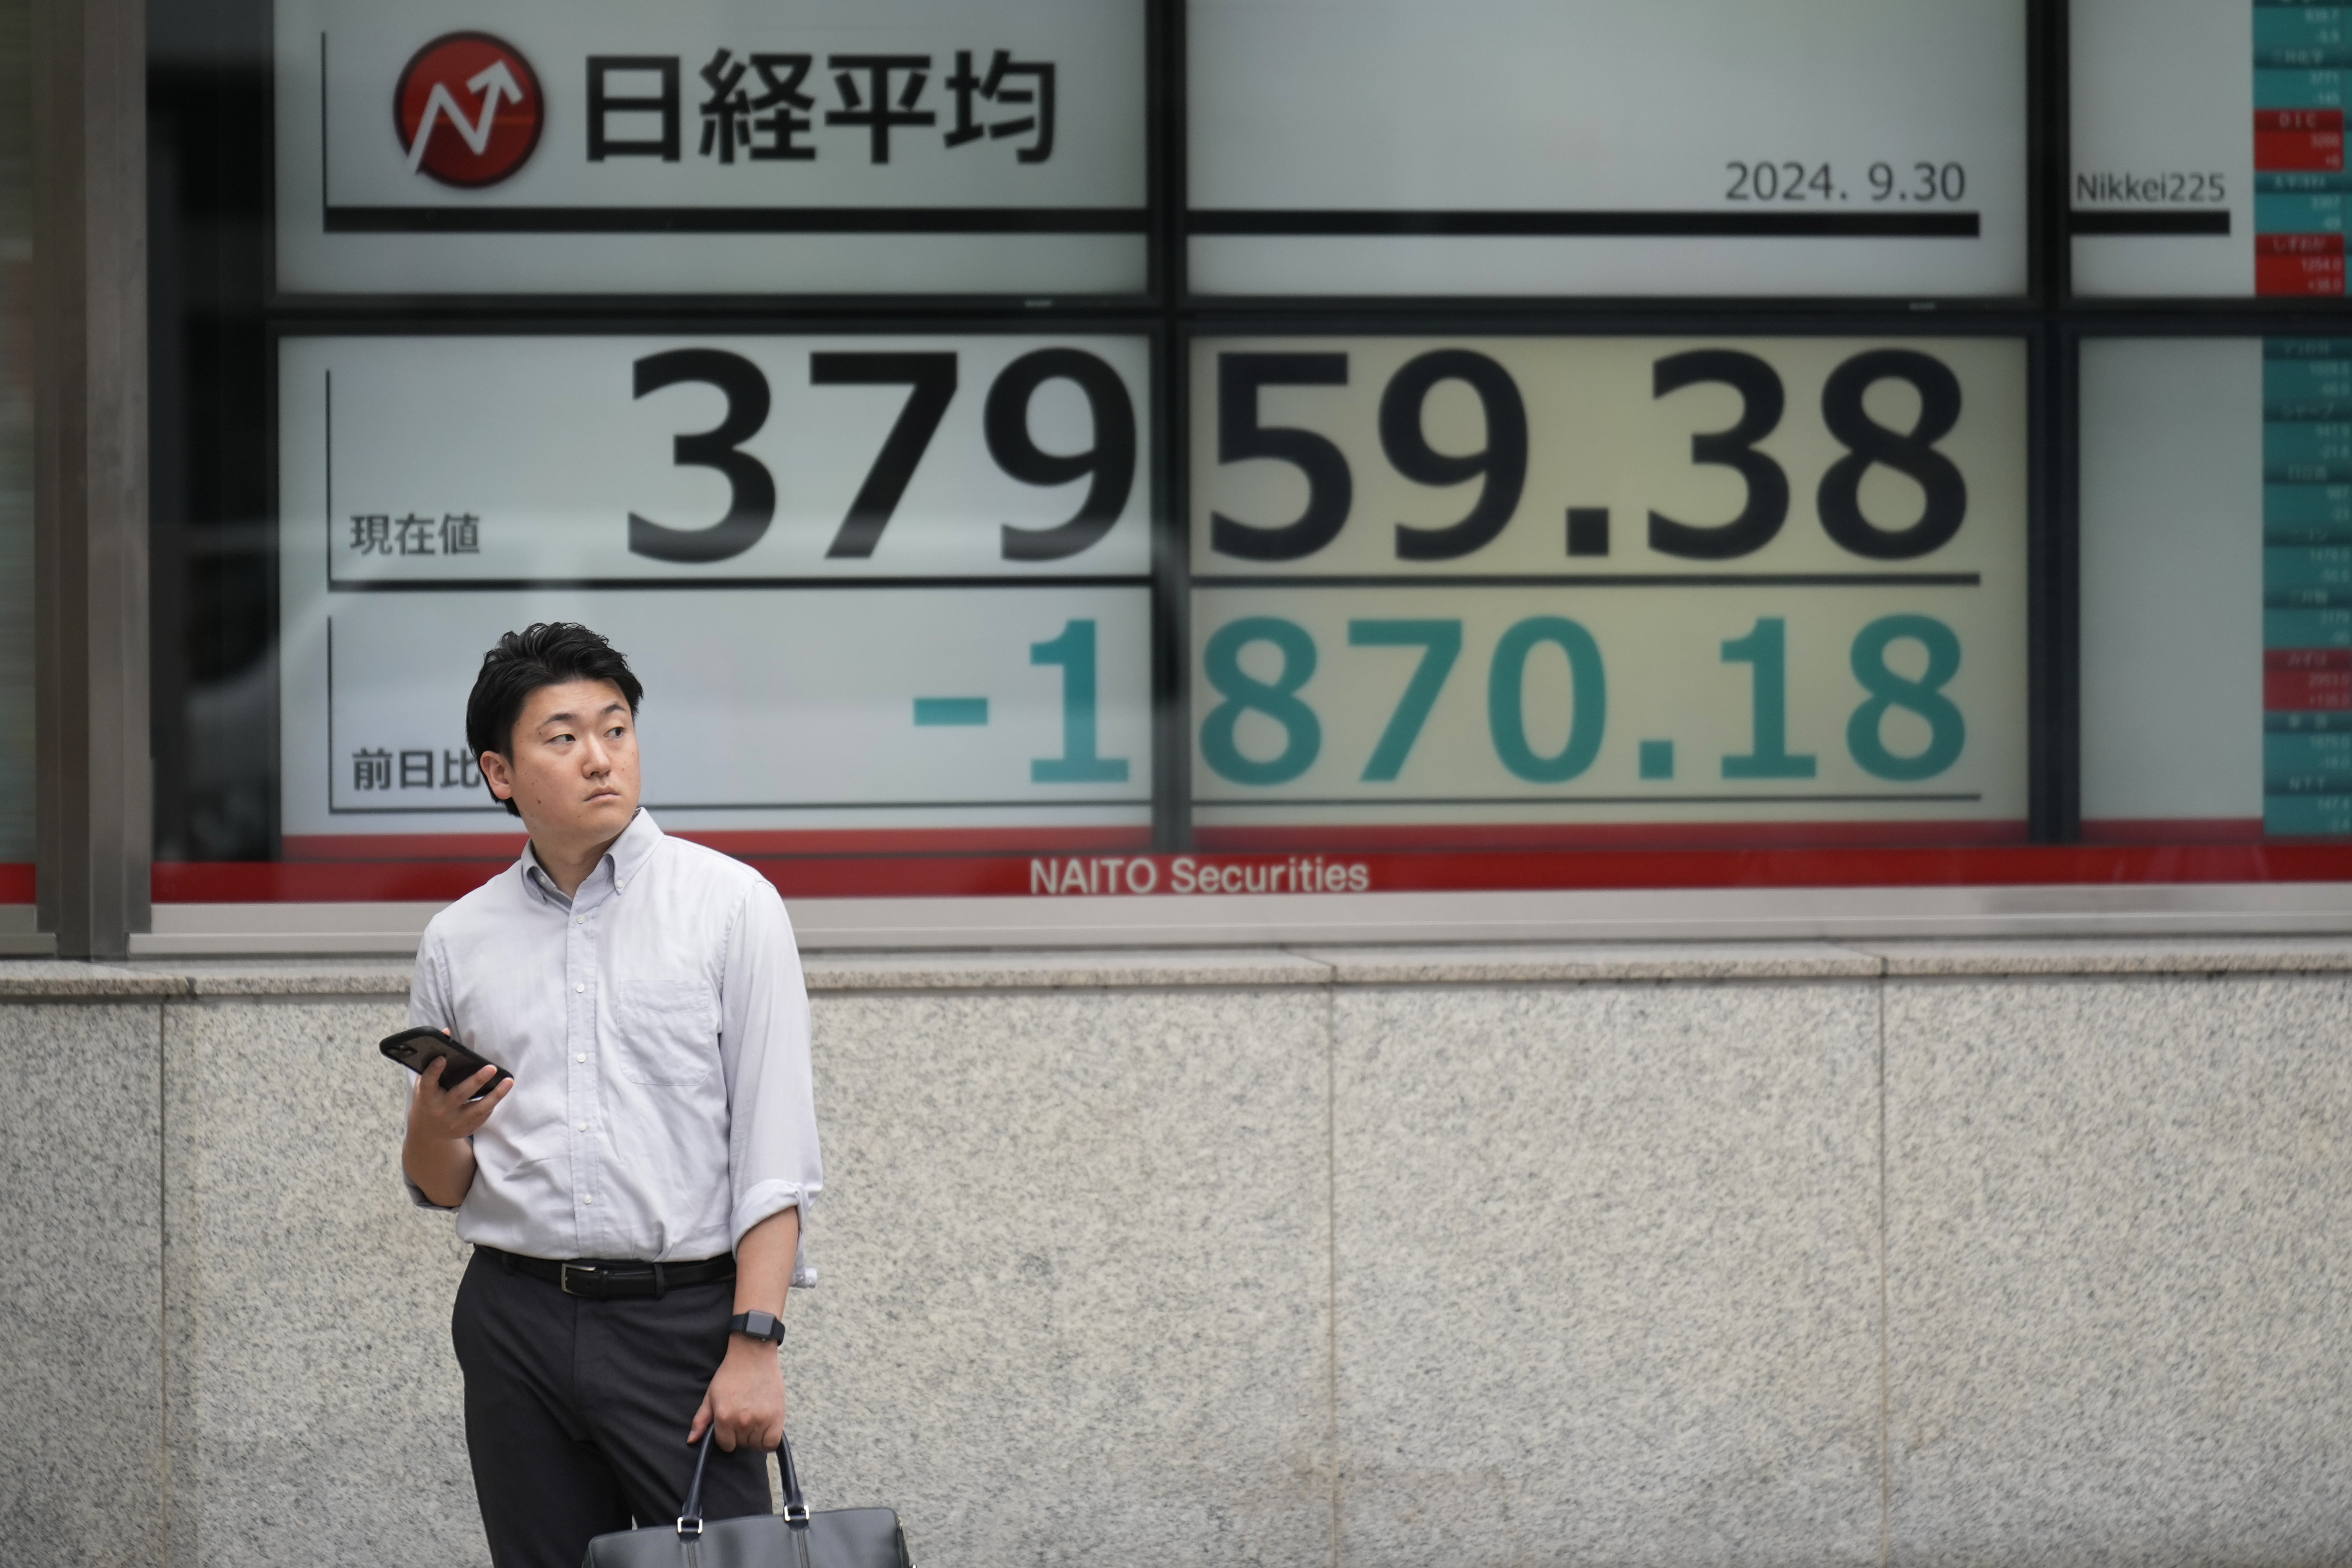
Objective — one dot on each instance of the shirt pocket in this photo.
(665, 1032)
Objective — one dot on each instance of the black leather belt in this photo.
(605, 1279)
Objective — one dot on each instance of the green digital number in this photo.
(1277, 699)
(1767, 649)
(1073, 651)
(1441, 644)
(1506, 702)
(1947, 732)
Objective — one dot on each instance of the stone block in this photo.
(2120, 1254)
(81, 1265)
(1608, 1274)
(315, 1414)
(1074, 1265)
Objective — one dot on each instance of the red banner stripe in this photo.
(1002, 876)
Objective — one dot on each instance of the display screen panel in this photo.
(1554, 591)
(2208, 148)
(1532, 147)
(604, 147)
(2217, 588)
(884, 592)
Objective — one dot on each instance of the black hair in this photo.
(546, 653)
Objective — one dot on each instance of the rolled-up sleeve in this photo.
(763, 1045)
(428, 1007)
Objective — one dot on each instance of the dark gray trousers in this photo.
(577, 1410)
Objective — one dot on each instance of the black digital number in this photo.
(1502, 461)
(930, 379)
(1761, 401)
(1933, 182)
(1908, 452)
(1110, 460)
(751, 490)
(1330, 489)
(1787, 181)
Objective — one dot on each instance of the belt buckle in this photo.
(587, 1273)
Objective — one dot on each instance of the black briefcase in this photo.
(838, 1538)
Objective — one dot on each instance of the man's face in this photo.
(574, 771)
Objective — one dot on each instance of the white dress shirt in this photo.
(657, 1030)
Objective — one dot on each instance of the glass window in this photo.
(1170, 447)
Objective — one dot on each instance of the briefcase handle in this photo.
(796, 1513)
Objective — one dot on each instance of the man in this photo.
(634, 1193)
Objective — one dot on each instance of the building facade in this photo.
(1564, 783)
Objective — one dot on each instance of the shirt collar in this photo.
(622, 860)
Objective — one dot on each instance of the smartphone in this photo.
(415, 1049)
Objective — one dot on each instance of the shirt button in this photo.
(580, 1058)
(583, 1126)
(588, 1200)
(620, 882)
(579, 987)
(583, 919)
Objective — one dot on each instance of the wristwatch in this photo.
(758, 1326)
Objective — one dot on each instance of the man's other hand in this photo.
(746, 1400)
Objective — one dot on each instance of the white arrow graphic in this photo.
(492, 83)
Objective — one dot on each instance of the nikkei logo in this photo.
(469, 110)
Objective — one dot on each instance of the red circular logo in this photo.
(467, 109)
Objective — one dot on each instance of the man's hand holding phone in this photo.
(452, 1111)
(441, 1117)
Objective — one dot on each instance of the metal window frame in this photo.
(93, 808)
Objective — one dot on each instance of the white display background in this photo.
(782, 683)
(1097, 161)
(1573, 105)
(2163, 88)
(2171, 570)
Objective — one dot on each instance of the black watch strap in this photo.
(759, 1326)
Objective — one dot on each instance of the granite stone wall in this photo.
(1702, 1255)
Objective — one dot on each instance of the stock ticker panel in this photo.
(895, 582)
(1624, 589)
